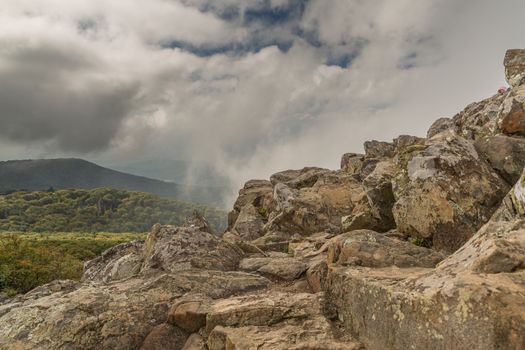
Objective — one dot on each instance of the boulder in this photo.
(249, 223)
(514, 63)
(402, 142)
(505, 154)
(189, 313)
(183, 248)
(284, 268)
(164, 337)
(271, 321)
(119, 262)
(378, 188)
(378, 149)
(372, 249)
(444, 191)
(352, 162)
(511, 117)
(298, 179)
(255, 192)
(195, 342)
(449, 307)
(479, 119)
(474, 299)
(440, 125)
(317, 208)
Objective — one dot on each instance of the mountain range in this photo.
(73, 173)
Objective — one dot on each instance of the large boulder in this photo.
(505, 154)
(352, 162)
(119, 262)
(475, 299)
(285, 268)
(273, 321)
(440, 125)
(306, 208)
(378, 149)
(297, 179)
(372, 249)
(514, 63)
(165, 337)
(182, 248)
(479, 119)
(444, 191)
(511, 117)
(255, 192)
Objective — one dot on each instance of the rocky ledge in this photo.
(418, 243)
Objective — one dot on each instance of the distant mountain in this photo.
(66, 173)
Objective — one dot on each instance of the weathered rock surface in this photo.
(514, 63)
(308, 209)
(440, 125)
(120, 314)
(285, 268)
(181, 248)
(371, 249)
(444, 191)
(505, 154)
(271, 321)
(511, 118)
(119, 262)
(352, 162)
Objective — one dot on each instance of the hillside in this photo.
(106, 210)
(41, 174)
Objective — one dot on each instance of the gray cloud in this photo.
(51, 92)
(249, 87)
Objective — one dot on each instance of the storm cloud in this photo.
(249, 87)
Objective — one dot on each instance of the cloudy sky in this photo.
(247, 86)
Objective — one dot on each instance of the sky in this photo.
(248, 87)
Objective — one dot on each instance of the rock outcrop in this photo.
(418, 243)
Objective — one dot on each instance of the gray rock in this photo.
(119, 262)
(372, 249)
(511, 116)
(378, 149)
(440, 125)
(444, 191)
(352, 162)
(285, 268)
(298, 179)
(514, 63)
(505, 154)
(183, 248)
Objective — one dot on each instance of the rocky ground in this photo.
(416, 244)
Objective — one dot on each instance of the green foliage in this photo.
(421, 242)
(96, 210)
(28, 260)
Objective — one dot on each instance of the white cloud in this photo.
(91, 75)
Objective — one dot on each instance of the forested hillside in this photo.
(97, 210)
(66, 173)
(28, 260)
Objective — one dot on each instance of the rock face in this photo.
(515, 67)
(415, 244)
(444, 191)
(505, 154)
